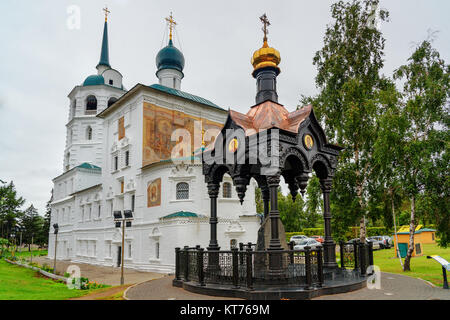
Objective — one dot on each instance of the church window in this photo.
(157, 250)
(111, 82)
(226, 190)
(133, 201)
(82, 213)
(129, 250)
(122, 186)
(99, 210)
(91, 103)
(127, 158)
(116, 162)
(73, 109)
(111, 101)
(89, 133)
(121, 123)
(182, 191)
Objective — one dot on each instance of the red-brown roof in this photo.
(269, 114)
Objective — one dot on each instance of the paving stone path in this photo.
(393, 287)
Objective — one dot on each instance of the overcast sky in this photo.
(41, 60)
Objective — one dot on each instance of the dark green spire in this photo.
(104, 56)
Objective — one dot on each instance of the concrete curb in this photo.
(45, 273)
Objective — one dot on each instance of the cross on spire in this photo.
(266, 23)
(106, 13)
(172, 23)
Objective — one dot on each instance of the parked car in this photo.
(317, 238)
(298, 238)
(375, 245)
(387, 242)
(377, 242)
(308, 242)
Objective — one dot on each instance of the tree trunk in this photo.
(395, 231)
(362, 230)
(412, 227)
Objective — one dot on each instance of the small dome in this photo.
(94, 80)
(266, 57)
(170, 57)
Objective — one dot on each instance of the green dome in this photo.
(170, 58)
(94, 80)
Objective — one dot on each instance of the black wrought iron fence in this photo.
(249, 268)
(356, 255)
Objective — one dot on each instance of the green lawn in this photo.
(19, 283)
(421, 267)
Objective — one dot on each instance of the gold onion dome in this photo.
(266, 56)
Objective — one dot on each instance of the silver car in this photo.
(298, 238)
(308, 243)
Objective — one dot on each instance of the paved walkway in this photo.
(104, 275)
(393, 287)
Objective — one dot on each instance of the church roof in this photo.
(104, 55)
(94, 80)
(170, 57)
(181, 214)
(185, 95)
(86, 165)
(269, 114)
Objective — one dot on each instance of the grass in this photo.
(421, 267)
(19, 283)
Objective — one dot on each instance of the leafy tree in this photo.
(422, 148)
(43, 234)
(291, 212)
(349, 66)
(32, 224)
(313, 204)
(10, 205)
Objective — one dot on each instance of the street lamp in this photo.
(56, 228)
(128, 217)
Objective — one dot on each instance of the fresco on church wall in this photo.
(154, 193)
(159, 123)
(121, 129)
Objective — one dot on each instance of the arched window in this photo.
(67, 161)
(91, 103)
(111, 101)
(182, 191)
(89, 133)
(73, 109)
(226, 190)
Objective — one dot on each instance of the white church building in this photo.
(118, 157)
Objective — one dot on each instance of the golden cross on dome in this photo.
(106, 13)
(266, 23)
(172, 23)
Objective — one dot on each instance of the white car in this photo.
(308, 242)
(298, 238)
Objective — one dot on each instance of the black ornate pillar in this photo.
(213, 191)
(329, 246)
(273, 182)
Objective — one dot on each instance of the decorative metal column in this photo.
(273, 182)
(213, 248)
(329, 246)
(213, 191)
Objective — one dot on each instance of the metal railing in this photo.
(356, 255)
(249, 268)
